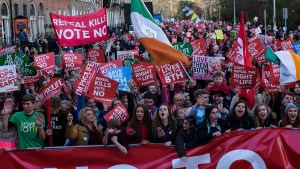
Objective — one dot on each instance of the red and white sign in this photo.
(87, 75)
(118, 112)
(287, 45)
(170, 73)
(80, 30)
(31, 80)
(103, 67)
(53, 88)
(71, 61)
(204, 67)
(125, 54)
(257, 51)
(135, 52)
(8, 78)
(45, 62)
(7, 50)
(268, 148)
(243, 76)
(95, 55)
(231, 54)
(199, 47)
(103, 89)
(274, 73)
(144, 74)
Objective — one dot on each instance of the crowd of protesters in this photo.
(185, 115)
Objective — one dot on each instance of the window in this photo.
(16, 10)
(25, 10)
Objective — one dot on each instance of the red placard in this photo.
(267, 148)
(243, 76)
(199, 47)
(103, 89)
(277, 45)
(274, 73)
(95, 55)
(287, 45)
(87, 75)
(31, 80)
(71, 61)
(257, 50)
(135, 52)
(53, 88)
(103, 67)
(45, 62)
(125, 54)
(231, 54)
(170, 73)
(118, 112)
(144, 74)
(80, 30)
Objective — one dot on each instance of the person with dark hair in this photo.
(140, 127)
(186, 137)
(149, 102)
(238, 118)
(212, 126)
(291, 118)
(281, 100)
(263, 117)
(198, 109)
(30, 124)
(179, 115)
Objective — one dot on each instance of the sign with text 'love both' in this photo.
(121, 75)
(80, 30)
(103, 89)
(170, 73)
(144, 74)
(243, 76)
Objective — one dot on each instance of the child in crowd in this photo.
(198, 109)
(218, 87)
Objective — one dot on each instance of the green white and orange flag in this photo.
(152, 36)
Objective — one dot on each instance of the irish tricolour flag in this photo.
(289, 65)
(152, 36)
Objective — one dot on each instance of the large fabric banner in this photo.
(80, 30)
(268, 148)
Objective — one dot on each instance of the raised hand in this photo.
(39, 120)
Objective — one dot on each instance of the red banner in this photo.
(257, 50)
(144, 74)
(45, 62)
(199, 47)
(87, 75)
(103, 67)
(118, 112)
(243, 76)
(95, 55)
(268, 148)
(80, 30)
(103, 89)
(71, 61)
(170, 73)
(53, 88)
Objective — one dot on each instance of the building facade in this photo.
(37, 12)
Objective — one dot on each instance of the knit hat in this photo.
(289, 106)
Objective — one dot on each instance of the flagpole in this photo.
(188, 76)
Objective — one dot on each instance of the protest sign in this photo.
(144, 74)
(8, 78)
(53, 88)
(103, 67)
(80, 30)
(31, 80)
(45, 62)
(274, 73)
(170, 73)
(243, 76)
(269, 87)
(257, 50)
(204, 67)
(118, 112)
(103, 89)
(231, 54)
(125, 54)
(95, 55)
(135, 52)
(21, 61)
(7, 50)
(87, 74)
(184, 48)
(121, 75)
(287, 45)
(128, 62)
(277, 45)
(71, 61)
(296, 46)
(219, 34)
(199, 47)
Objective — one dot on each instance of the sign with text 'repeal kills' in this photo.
(95, 55)
(103, 67)
(45, 62)
(243, 76)
(80, 30)
(71, 61)
(144, 74)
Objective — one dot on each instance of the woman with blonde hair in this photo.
(86, 132)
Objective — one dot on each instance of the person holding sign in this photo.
(86, 132)
(30, 124)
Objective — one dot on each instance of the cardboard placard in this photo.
(53, 88)
(103, 67)
(125, 54)
(118, 112)
(121, 75)
(257, 50)
(95, 55)
(171, 73)
(144, 74)
(71, 61)
(204, 67)
(8, 78)
(243, 77)
(87, 74)
(45, 62)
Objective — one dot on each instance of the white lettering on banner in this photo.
(122, 166)
(192, 162)
(253, 158)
